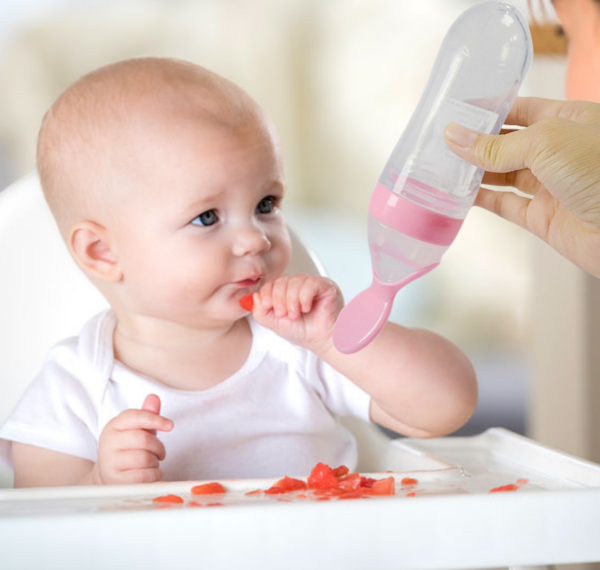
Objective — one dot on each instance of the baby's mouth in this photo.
(249, 282)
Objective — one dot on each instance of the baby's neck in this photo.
(181, 358)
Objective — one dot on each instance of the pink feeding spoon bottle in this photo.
(425, 191)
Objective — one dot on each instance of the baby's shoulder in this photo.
(84, 360)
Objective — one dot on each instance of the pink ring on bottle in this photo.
(413, 220)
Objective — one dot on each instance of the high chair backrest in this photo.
(44, 296)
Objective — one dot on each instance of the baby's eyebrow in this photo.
(197, 204)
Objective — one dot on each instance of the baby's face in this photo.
(201, 224)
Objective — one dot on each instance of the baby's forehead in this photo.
(87, 132)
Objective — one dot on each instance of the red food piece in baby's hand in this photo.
(208, 489)
(286, 485)
(322, 477)
(168, 499)
(247, 302)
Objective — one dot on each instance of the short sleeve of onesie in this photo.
(58, 410)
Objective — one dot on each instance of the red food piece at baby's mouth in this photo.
(408, 481)
(505, 488)
(286, 485)
(322, 477)
(168, 499)
(208, 489)
(247, 302)
(384, 487)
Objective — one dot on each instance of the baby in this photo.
(166, 183)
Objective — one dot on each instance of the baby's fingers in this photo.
(135, 459)
(310, 289)
(141, 440)
(139, 476)
(141, 419)
(294, 286)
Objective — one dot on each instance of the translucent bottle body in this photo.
(481, 64)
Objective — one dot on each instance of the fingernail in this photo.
(460, 136)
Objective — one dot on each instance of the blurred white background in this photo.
(340, 79)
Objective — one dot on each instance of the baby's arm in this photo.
(421, 384)
(38, 467)
(128, 452)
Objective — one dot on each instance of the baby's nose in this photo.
(251, 241)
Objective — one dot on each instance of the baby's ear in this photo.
(91, 246)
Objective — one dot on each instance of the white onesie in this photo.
(275, 416)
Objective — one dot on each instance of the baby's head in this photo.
(165, 181)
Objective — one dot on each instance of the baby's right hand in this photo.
(128, 450)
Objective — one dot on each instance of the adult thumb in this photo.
(493, 153)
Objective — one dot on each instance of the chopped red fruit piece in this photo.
(322, 477)
(341, 471)
(505, 488)
(286, 485)
(208, 489)
(329, 492)
(255, 492)
(522, 481)
(408, 481)
(358, 494)
(413, 494)
(367, 482)
(384, 487)
(194, 504)
(351, 482)
(247, 302)
(168, 499)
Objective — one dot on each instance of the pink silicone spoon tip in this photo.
(362, 319)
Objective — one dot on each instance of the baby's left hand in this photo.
(300, 308)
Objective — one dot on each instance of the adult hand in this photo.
(556, 161)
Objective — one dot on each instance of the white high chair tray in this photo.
(453, 521)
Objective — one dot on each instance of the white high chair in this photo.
(457, 523)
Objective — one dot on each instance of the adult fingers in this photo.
(524, 180)
(515, 151)
(507, 205)
(527, 111)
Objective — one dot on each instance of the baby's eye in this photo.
(207, 218)
(266, 205)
